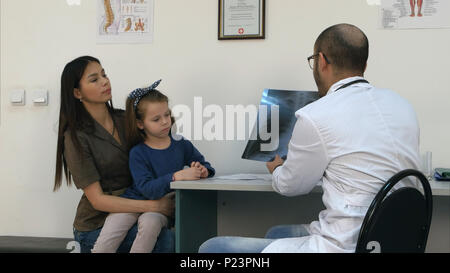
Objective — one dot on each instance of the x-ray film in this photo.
(277, 111)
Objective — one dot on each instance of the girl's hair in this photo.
(135, 135)
(72, 116)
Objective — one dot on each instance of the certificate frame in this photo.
(252, 27)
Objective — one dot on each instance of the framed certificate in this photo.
(241, 19)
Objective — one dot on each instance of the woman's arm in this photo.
(110, 203)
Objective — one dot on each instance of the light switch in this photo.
(17, 97)
(39, 97)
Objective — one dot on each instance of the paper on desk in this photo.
(245, 176)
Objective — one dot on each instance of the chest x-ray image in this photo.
(275, 123)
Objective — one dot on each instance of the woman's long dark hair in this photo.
(135, 135)
(72, 116)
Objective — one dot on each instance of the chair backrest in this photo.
(399, 222)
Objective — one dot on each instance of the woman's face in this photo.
(94, 85)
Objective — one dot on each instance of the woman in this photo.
(92, 152)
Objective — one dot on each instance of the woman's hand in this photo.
(167, 204)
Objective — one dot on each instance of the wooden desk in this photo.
(196, 206)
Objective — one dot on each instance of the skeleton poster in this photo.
(125, 21)
(406, 14)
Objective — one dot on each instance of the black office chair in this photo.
(399, 222)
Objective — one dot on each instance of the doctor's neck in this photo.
(336, 77)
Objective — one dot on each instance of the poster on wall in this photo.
(125, 21)
(405, 14)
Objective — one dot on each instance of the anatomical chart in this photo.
(125, 21)
(404, 14)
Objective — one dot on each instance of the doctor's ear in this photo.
(322, 60)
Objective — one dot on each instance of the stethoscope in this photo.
(351, 83)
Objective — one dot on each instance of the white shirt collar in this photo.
(340, 83)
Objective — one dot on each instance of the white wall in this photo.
(39, 37)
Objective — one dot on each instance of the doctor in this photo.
(353, 139)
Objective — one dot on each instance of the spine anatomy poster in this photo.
(125, 21)
(404, 14)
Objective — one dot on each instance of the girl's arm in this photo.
(195, 156)
(110, 203)
(144, 180)
(150, 187)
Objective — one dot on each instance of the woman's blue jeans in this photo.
(234, 244)
(164, 244)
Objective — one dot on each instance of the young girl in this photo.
(156, 159)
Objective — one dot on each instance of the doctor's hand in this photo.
(271, 165)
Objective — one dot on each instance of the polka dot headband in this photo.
(139, 93)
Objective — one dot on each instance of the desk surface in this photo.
(223, 185)
(438, 188)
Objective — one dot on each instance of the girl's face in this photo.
(157, 119)
(94, 85)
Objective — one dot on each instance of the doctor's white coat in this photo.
(352, 140)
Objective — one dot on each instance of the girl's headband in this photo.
(139, 93)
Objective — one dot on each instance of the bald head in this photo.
(345, 46)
